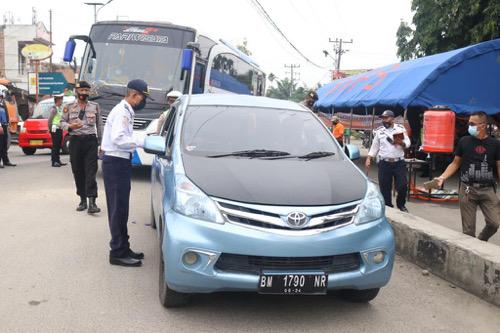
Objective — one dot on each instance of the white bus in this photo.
(119, 51)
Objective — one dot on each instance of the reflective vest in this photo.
(57, 117)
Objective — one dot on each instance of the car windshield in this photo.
(42, 110)
(215, 131)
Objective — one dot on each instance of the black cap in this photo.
(140, 86)
(387, 113)
(82, 84)
(313, 95)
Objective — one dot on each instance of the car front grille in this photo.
(139, 123)
(258, 264)
(246, 216)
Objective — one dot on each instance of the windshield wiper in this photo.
(254, 153)
(307, 157)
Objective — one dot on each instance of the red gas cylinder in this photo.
(439, 131)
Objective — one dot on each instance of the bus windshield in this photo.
(125, 52)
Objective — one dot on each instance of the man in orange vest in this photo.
(338, 130)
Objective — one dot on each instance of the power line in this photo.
(339, 51)
(265, 14)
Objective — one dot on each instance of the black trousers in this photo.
(387, 172)
(83, 158)
(56, 145)
(3, 144)
(117, 173)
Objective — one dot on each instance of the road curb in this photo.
(462, 260)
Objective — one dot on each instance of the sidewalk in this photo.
(445, 214)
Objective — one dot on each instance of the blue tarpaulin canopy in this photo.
(466, 80)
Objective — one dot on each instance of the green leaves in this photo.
(443, 25)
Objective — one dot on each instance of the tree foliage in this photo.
(284, 88)
(243, 47)
(443, 25)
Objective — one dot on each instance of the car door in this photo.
(159, 166)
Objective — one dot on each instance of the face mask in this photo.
(386, 124)
(83, 97)
(473, 130)
(140, 106)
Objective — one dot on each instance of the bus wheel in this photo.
(29, 151)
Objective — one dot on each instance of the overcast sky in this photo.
(307, 23)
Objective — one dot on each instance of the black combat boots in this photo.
(83, 204)
(92, 206)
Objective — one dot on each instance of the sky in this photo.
(308, 24)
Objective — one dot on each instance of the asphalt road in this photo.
(54, 276)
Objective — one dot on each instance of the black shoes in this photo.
(404, 209)
(93, 207)
(125, 261)
(83, 204)
(135, 255)
(56, 165)
(1, 166)
(9, 164)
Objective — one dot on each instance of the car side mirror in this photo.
(352, 151)
(155, 144)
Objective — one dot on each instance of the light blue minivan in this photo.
(254, 194)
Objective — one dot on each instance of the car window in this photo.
(210, 130)
(169, 132)
(42, 110)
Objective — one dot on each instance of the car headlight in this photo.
(192, 202)
(372, 207)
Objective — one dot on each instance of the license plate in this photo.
(36, 142)
(293, 284)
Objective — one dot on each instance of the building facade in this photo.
(13, 38)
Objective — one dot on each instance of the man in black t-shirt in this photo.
(478, 158)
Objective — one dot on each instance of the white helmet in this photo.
(174, 93)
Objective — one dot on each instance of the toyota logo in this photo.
(296, 219)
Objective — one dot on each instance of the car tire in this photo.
(29, 150)
(169, 298)
(359, 296)
(65, 145)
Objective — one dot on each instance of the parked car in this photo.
(254, 194)
(34, 132)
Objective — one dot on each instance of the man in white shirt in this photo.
(389, 144)
(118, 143)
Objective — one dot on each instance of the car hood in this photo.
(35, 124)
(286, 182)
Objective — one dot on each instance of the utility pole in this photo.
(292, 67)
(50, 39)
(339, 50)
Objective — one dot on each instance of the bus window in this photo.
(229, 73)
(199, 78)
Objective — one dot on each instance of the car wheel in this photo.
(168, 297)
(29, 151)
(359, 296)
(65, 145)
(152, 221)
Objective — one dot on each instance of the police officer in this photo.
(171, 98)
(83, 121)
(118, 144)
(55, 130)
(388, 145)
(4, 134)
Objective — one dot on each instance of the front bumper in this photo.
(209, 240)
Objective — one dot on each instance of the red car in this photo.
(34, 132)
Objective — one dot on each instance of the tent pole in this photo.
(350, 127)
(373, 125)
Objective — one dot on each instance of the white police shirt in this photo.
(383, 148)
(119, 138)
